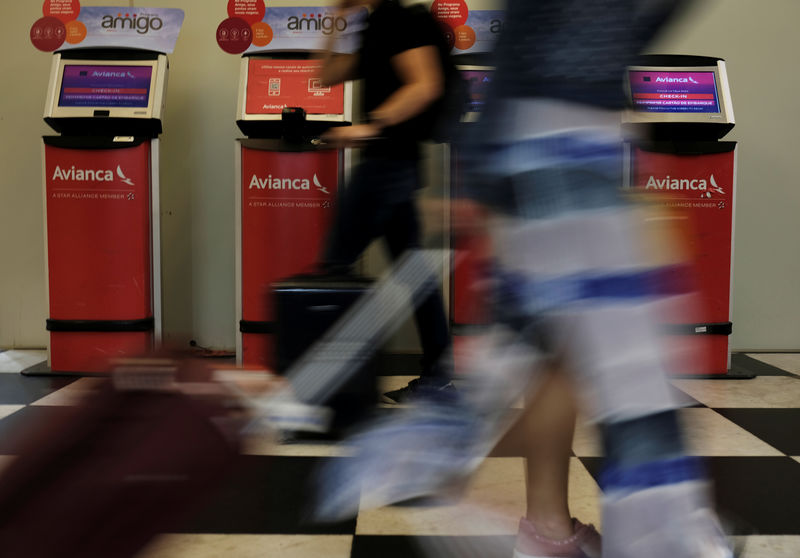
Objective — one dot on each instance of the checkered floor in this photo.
(748, 429)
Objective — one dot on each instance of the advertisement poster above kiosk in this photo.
(67, 25)
(477, 34)
(253, 28)
(302, 28)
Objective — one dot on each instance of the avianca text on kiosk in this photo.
(101, 206)
(684, 170)
(286, 185)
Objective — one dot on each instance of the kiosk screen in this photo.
(105, 86)
(477, 87)
(674, 92)
(273, 85)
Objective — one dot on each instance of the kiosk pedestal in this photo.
(285, 196)
(470, 311)
(101, 214)
(101, 206)
(697, 180)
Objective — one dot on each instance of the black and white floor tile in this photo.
(749, 431)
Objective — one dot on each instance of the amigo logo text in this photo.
(141, 23)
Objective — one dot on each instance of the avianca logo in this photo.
(90, 175)
(699, 184)
(690, 79)
(124, 178)
(325, 23)
(275, 183)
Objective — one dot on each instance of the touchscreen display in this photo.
(676, 92)
(273, 85)
(477, 88)
(105, 86)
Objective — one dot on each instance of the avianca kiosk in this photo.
(469, 303)
(101, 206)
(286, 184)
(685, 104)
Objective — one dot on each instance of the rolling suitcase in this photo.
(306, 306)
(101, 478)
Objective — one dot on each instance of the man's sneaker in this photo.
(421, 388)
(584, 543)
(422, 451)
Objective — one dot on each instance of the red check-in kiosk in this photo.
(101, 206)
(684, 104)
(469, 298)
(286, 185)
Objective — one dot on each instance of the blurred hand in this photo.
(351, 136)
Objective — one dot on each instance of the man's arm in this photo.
(420, 72)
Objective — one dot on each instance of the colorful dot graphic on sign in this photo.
(452, 13)
(48, 34)
(76, 32)
(63, 10)
(251, 11)
(262, 34)
(464, 37)
(234, 35)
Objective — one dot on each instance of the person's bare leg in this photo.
(544, 436)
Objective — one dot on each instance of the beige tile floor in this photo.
(6, 410)
(13, 362)
(789, 362)
(761, 393)
(71, 394)
(249, 546)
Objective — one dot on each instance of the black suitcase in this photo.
(306, 306)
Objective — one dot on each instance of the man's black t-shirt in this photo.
(392, 29)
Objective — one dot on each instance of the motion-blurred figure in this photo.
(404, 62)
(574, 283)
(575, 298)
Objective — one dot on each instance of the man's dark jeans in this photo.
(379, 202)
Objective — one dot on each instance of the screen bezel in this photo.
(155, 98)
(724, 116)
(473, 116)
(242, 115)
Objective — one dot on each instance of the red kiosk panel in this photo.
(98, 250)
(287, 206)
(701, 188)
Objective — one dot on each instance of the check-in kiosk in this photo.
(469, 301)
(682, 104)
(101, 206)
(286, 185)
